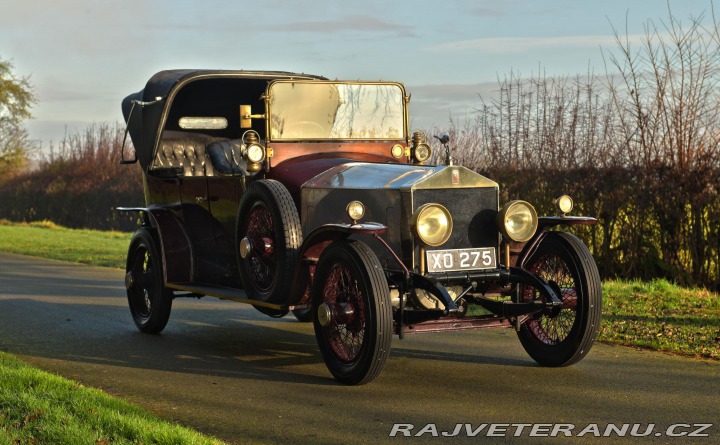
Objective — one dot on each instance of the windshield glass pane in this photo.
(324, 110)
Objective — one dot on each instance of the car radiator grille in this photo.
(473, 212)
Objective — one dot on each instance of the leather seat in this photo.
(183, 154)
(226, 157)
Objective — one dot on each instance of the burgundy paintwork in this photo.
(314, 159)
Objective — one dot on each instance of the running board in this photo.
(228, 293)
(456, 324)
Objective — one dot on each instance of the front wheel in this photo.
(563, 338)
(352, 312)
(149, 300)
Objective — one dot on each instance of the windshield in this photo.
(325, 110)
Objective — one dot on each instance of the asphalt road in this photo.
(227, 370)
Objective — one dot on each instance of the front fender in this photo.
(175, 246)
(313, 245)
(544, 224)
(320, 238)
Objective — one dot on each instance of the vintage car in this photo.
(292, 192)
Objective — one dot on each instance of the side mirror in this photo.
(246, 116)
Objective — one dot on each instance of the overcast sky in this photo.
(84, 56)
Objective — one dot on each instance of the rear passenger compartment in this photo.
(196, 154)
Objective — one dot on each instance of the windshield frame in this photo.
(268, 107)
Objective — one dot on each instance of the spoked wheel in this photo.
(268, 237)
(565, 337)
(353, 317)
(150, 302)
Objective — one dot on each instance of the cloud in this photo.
(504, 45)
(435, 105)
(486, 12)
(460, 92)
(362, 23)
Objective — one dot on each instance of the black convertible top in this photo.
(145, 111)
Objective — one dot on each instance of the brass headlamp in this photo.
(420, 149)
(253, 150)
(432, 224)
(517, 221)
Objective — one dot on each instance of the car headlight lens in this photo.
(433, 224)
(255, 153)
(422, 152)
(355, 210)
(518, 221)
(564, 203)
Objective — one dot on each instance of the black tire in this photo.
(267, 211)
(355, 347)
(303, 315)
(565, 338)
(149, 300)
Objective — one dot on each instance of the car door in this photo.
(195, 210)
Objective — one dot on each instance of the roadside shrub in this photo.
(77, 185)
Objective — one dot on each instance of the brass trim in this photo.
(507, 255)
(268, 111)
(443, 179)
(246, 116)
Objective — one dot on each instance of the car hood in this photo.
(366, 176)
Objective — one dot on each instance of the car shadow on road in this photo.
(219, 339)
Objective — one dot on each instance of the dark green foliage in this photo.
(652, 223)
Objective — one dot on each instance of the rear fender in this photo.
(545, 223)
(175, 246)
(314, 244)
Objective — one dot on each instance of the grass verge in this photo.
(47, 240)
(39, 407)
(662, 316)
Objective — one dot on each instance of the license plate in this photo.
(461, 259)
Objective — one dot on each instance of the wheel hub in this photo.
(245, 247)
(339, 313)
(324, 315)
(129, 281)
(260, 245)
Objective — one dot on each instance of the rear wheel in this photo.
(268, 238)
(149, 300)
(563, 338)
(352, 312)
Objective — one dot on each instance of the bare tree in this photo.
(669, 121)
(639, 148)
